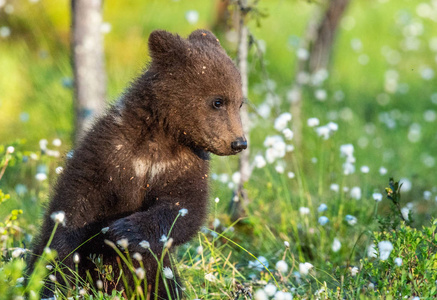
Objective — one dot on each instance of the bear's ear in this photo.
(165, 46)
(205, 37)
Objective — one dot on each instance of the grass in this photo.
(388, 128)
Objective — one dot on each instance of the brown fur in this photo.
(148, 157)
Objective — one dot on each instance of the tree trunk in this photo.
(318, 41)
(88, 63)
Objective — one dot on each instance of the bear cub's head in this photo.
(198, 88)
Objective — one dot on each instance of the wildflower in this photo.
(320, 94)
(323, 220)
(279, 169)
(105, 230)
(82, 292)
(210, 277)
(192, 16)
(406, 184)
(288, 134)
(286, 244)
(123, 243)
(105, 27)
(385, 248)
(145, 244)
(137, 256)
(99, 284)
(351, 220)
(282, 266)
(427, 195)
(356, 193)
(270, 289)
(334, 187)
(354, 271)
(332, 126)
(41, 176)
(10, 149)
(216, 200)
(140, 273)
(377, 197)
(236, 177)
(347, 150)
(56, 142)
(59, 170)
(259, 264)
(398, 261)
(364, 169)
(58, 217)
(260, 295)
(289, 148)
(291, 175)
(52, 277)
(183, 212)
(17, 252)
(322, 207)
(382, 171)
(323, 131)
(282, 121)
(199, 250)
(303, 54)
(216, 223)
(304, 268)
(405, 211)
(259, 161)
(312, 122)
(49, 267)
(304, 210)
(371, 250)
(168, 243)
(76, 258)
(168, 273)
(336, 245)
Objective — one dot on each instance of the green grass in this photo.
(35, 80)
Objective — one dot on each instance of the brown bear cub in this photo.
(147, 159)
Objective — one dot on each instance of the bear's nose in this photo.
(239, 144)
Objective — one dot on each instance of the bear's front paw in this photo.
(126, 235)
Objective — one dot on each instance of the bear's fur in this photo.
(148, 157)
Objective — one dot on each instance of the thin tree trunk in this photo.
(88, 63)
(240, 199)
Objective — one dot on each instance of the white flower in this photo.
(145, 244)
(348, 168)
(371, 250)
(304, 210)
(270, 289)
(313, 122)
(168, 273)
(137, 256)
(334, 187)
(385, 248)
(405, 211)
(105, 230)
(354, 271)
(323, 220)
(377, 197)
(322, 207)
(291, 175)
(216, 223)
(427, 195)
(286, 244)
(183, 212)
(59, 170)
(260, 295)
(406, 185)
(347, 150)
(168, 243)
(321, 94)
(76, 258)
(282, 266)
(398, 261)
(279, 168)
(58, 217)
(259, 264)
(52, 277)
(382, 171)
(288, 134)
(356, 193)
(303, 54)
(323, 131)
(260, 162)
(280, 295)
(192, 16)
(17, 252)
(10, 149)
(336, 245)
(123, 243)
(49, 267)
(236, 177)
(304, 268)
(140, 273)
(332, 126)
(282, 121)
(365, 169)
(199, 250)
(99, 284)
(351, 220)
(56, 142)
(210, 277)
(105, 27)
(216, 200)
(41, 176)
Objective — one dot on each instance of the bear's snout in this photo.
(239, 144)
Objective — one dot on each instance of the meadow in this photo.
(324, 222)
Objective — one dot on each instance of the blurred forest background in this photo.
(369, 114)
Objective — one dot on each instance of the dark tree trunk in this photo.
(88, 63)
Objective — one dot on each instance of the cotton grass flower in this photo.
(291, 175)
(41, 176)
(259, 264)
(304, 268)
(371, 251)
(282, 266)
(281, 121)
(382, 171)
(336, 245)
(365, 169)
(140, 273)
(288, 134)
(210, 277)
(354, 271)
(377, 197)
(168, 273)
(192, 16)
(10, 150)
(18, 252)
(260, 295)
(259, 161)
(163, 238)
(313, 122)
(270, 289)
(144, 244)
(76, 258)
(304, 211)
(183, 212)
(334, 187)
(356, 193)
(385, 248)
(323, 220)
(286, 244)
(123, 243)
(137, 256)
(58, 217)
(398, 261)
(351, 220)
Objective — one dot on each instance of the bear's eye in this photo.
(217, 103)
